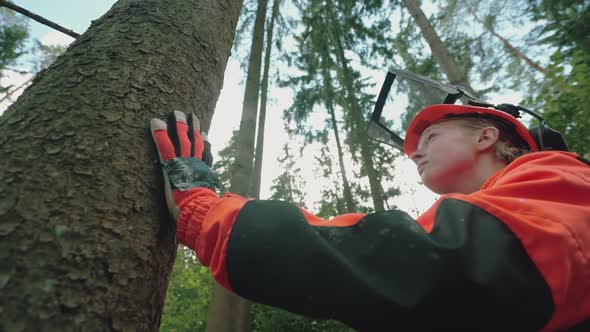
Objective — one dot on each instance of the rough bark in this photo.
(356, 113)
(439, 51)
(86, 242)
(228, 312)
(257, 176)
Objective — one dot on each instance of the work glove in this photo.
(185, 155)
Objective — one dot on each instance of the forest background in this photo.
(324, 62)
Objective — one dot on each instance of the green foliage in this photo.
(226, 164)
(468, 27)
(565, 24)
(46, 54)
(556, 85)
(563, 96)
(13, 34)
(564, 99)
(269, 319)
(188, 295)
(287, 186)
(332, 202)
(338, 40)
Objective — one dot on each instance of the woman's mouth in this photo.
(421, 166)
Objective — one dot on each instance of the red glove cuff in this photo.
(204, 224)
(194, 205)
(214, 237)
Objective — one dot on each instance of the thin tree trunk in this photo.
(257, 176)
(509, 46)
(229, 312)
(244, 160)
(358, 123)
(347, 192)
(357, 116)
(439, 51)
(86, 241)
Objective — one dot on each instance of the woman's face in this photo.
(446, 154)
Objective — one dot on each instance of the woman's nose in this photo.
(416, 156)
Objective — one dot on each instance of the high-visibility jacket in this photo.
(513, 256)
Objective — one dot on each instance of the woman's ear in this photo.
(488, 136)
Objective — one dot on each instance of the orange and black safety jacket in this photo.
(513, 256)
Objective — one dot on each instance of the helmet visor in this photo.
(402, 96)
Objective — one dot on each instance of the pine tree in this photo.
(352, 105)
(328, 80)
(288, 185)
(225, 166)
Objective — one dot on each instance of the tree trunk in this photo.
(257, 176)
(357, 117)
(439, 51)
(359, 126)
(346, 190)
(86, 241)
(229, 312)
(243, 171)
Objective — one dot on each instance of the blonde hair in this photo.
(509, 145)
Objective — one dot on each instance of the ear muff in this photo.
(548, 138)
(545, 137)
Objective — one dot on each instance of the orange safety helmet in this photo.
(434, 113)
(436, 101)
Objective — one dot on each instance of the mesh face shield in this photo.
(404, 94)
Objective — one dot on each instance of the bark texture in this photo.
(86, 243)
(439, 51)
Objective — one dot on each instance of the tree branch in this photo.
(11, 92)
(38, 18)
(508, 45)
(21, 72)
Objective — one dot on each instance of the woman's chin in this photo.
(436, 186)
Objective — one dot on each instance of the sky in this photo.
(77, 16)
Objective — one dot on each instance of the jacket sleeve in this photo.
(377, 270)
